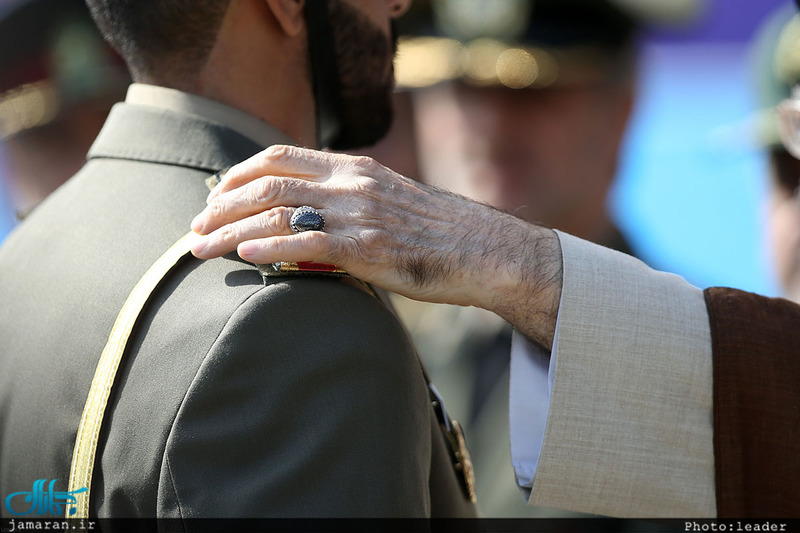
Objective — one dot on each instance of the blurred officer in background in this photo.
(522, 105)
(58, 80)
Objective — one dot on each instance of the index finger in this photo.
(277, 160)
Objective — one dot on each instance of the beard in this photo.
(364, 56)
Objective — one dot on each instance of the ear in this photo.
(289, 14)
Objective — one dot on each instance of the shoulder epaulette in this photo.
(301, 268)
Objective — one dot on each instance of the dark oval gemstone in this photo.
(309, 222)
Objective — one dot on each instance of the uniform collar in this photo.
(186, 103)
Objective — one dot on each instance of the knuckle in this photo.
(281, 218)
(216, 209)
(273, 221)
(265, 190)
(276, 152)
(228, 233)
(370, 186)
(366, 163)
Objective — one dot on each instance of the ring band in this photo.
(307, 218)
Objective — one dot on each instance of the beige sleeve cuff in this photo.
(629, 430)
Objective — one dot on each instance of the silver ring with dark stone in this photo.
(307, 219)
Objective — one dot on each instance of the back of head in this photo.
(167, 41)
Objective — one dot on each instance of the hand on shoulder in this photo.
(402, 235)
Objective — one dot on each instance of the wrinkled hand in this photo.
(386, 229)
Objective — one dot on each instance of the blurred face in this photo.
(546, 155)
(365, 46)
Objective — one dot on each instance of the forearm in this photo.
(472, 254)
(530, 280)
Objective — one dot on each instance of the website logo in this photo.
(41, 501)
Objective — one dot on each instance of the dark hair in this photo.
(160, 39)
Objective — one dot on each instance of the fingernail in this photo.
(199, 223)
(199, 245)
(247, 249)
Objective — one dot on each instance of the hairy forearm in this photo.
(472, 254)
(480, 256)
(530, 282)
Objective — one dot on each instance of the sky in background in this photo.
(690, 196)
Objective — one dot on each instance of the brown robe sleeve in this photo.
(756, 343)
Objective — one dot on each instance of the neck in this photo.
(256, 71)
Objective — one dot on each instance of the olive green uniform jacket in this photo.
(239, 395)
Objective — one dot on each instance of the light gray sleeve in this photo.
(628, 429)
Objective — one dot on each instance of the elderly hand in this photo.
(386, 229)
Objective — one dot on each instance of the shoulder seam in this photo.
(211, 348)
